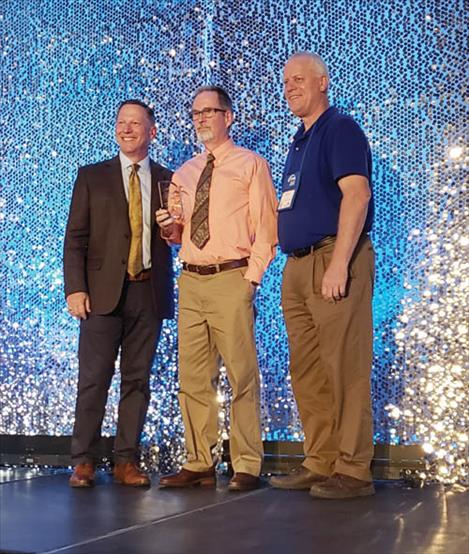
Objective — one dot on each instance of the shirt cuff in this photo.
(173, 234)
(253, 275)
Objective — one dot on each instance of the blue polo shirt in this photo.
(332, 148)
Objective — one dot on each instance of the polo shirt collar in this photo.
(318, 123)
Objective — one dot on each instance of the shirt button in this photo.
(297, 148)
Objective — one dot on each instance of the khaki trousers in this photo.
(216, 318)
(330, 361)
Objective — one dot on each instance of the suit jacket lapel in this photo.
(118, 192)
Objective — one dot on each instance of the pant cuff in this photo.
(364, 474)
(196, 466)
(82, 460)
(126, 459)
(317, 467)
(251, 469)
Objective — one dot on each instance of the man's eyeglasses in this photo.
(207, 113)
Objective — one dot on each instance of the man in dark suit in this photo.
(119, 283)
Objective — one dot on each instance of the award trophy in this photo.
(170, 199)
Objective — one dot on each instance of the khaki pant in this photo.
(216, 317)
(330, 361)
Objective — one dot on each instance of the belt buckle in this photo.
(209, 269)
(204, 269)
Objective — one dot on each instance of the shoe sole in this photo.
(118, 482)
(243, 489)
(84, 485)
(292, 487)
(298, 487)
(333, 495)
(204, 483)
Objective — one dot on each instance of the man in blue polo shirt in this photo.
(325, 213)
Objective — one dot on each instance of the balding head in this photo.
(306, 80)
(314, 60)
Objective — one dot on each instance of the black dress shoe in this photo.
(186, 478)
(244, 482)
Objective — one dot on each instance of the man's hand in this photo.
(79, 305)
(163, 218)
(170, 228)
(334, 282)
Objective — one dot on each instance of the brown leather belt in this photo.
(302, 252)
(215, 268)
(142, 276)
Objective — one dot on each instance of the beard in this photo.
(203, 135)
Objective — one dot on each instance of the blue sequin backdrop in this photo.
(396, 66)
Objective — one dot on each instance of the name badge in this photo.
(290, 187)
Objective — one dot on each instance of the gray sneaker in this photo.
(299, 478)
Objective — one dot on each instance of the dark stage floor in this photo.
(41, 514)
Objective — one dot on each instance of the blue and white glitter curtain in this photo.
(397, 66)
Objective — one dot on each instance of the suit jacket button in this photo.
(123, 262)
(126, 236)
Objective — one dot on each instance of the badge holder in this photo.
(290, 189)
(291, 182)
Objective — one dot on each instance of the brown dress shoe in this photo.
(244, 482)
(187, 478)
(130, 475)
(342, 486)
(83, 476)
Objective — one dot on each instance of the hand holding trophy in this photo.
(171, 210)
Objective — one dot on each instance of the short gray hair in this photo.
(316, 59)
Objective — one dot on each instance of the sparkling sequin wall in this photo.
(396, 66)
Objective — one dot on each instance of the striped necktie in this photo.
(135, 265)
(200, 233)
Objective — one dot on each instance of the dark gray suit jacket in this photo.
(97, 239)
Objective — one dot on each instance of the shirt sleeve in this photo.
(263, 214)
(349, 151)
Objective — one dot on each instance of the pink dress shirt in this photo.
(242, 210)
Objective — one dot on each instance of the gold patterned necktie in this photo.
(200, 233)
(135, 266)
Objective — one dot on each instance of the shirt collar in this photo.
(318, 123)
(220, 151)
(125, 162)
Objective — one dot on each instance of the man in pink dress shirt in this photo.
(228, 237)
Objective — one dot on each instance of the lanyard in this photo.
(291, 181)
(287, 163)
